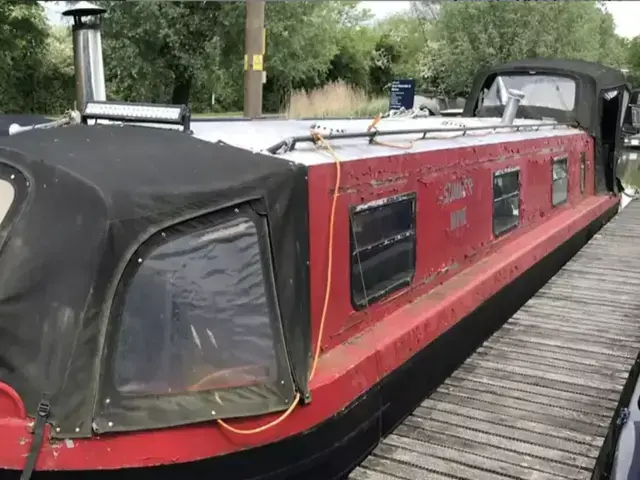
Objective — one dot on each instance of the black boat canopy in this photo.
(591, 78)
(150, 279)
(568, 90)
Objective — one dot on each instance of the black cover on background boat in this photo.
(95, 195)
(591, 79)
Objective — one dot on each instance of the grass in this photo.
(218, 114)
(337, 99)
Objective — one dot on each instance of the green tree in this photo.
(407, 34)
(155, 50)
(472, 35)
(633, 61)
(55, 90)
(356, 40)
(184, 51)
(23, 37)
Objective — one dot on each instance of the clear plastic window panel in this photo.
(547, 91)
(7, 196)
(506, 201)
(635, 115)
(383, 250)
(196, 316)
(560, 181)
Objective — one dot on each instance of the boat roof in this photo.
(442, 133)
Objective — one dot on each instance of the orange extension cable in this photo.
(325, 307)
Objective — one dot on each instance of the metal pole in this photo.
(253, 59)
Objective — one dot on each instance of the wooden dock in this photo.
(540, 399)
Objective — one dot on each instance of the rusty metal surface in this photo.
(536, 399)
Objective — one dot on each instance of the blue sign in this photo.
(402, 95)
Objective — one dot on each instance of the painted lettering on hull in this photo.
(457, 190)
(458, 219)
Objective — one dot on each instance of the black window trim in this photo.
(21, 189)
(375, 205)
(124, 412)
(518, 193)
(561, 159)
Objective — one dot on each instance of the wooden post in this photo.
(254, 57)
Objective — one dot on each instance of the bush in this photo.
(337, 99)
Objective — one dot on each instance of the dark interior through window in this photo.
(196, 316)
(383, 248)
(560, 175)
(506, 201)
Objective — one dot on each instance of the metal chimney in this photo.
(511, 109)
(87, 52)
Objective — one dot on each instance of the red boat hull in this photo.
(329, 447)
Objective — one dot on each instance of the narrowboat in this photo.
(266, 299)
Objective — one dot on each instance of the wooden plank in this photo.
(536, 399)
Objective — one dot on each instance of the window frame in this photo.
(354, 251)
(505, 171)
(21, 187)
(561, 159)
(116, 411)
(583, 172)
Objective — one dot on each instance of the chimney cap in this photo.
(84, 9)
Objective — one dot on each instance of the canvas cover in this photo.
(92, 198)
(592, 80)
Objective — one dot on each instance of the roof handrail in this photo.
(289, 144)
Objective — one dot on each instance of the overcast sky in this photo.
(626, 13)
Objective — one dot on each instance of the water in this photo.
(629, 174)
(629, 168)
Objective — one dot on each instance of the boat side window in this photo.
(196, 315)
(383, 248)
(506, 200)
(560, 174)
(14, 189)
(635, 115)
(583, 171)
(7, 196)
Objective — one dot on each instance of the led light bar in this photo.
(138, 113)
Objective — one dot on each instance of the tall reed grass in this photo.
(337, 99)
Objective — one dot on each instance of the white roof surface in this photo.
(258, 135)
